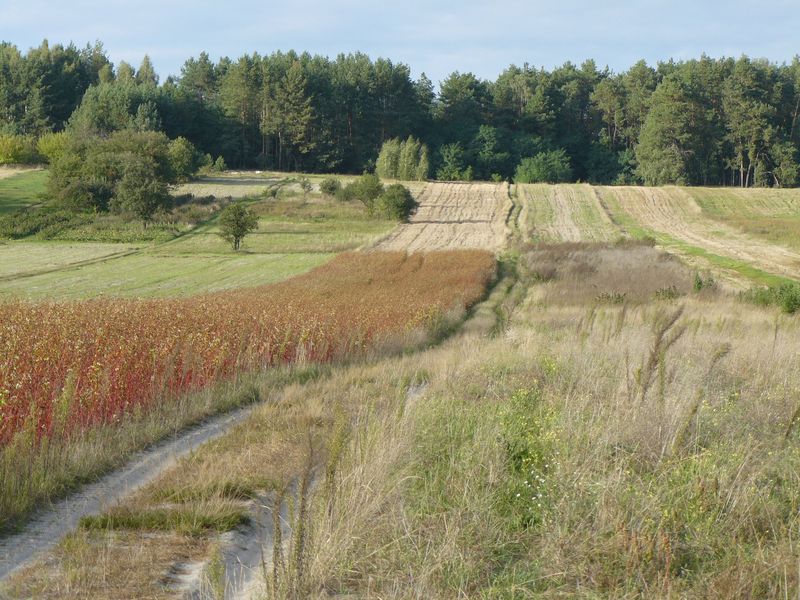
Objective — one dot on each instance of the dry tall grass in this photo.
(636, 451)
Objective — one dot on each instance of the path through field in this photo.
(564, 213)
(674, 212)
(44, 531)
(455, 216)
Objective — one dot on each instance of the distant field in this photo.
(293, 225)
(564, 213)
(295, 235)
(156, 274)
(454, 216)
(19, 189)
(769, 214)
(676, 221)
(20, 257)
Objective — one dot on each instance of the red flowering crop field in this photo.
(68, 366)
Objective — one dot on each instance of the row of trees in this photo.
(707, 121)
(403, 159)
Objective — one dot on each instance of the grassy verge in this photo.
(21, 190)
(618, 458)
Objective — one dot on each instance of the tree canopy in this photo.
(705, 121)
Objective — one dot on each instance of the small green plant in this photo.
(703, 282)
(667, 293)
(306, 186)
(612, 297)
(785, 295)
(529, 436)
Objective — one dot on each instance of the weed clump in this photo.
(786, 296)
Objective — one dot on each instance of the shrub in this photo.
(785, 295)
(330, 186)
(219, 165)
(305, 185)
(51, 146)
(396, 202)
(545, 167)
(17, 149)
(366, 188)
(703, 282)
(183, 159)
(667, 293)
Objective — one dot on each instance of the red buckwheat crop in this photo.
(66, 366)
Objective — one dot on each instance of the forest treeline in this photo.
(697, 122)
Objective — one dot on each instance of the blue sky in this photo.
(435, 37)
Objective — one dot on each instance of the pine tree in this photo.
(146, 75)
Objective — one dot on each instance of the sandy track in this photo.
(454, 216)
(565, 213)
(47, 527)
(674, 212)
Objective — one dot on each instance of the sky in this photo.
(432, 37)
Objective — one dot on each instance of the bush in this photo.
(366, 188)
(396, 203)
(330, 186)
(786, 296)
(701, 282)
(45, 224)
(183, 159)
(545, 167)
(51, 146)
(17, 149)
(219, 165)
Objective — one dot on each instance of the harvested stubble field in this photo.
(673, 217)
(68, 367)
(455, 216)
(564, 213)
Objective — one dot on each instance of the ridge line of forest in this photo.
(697, 122)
